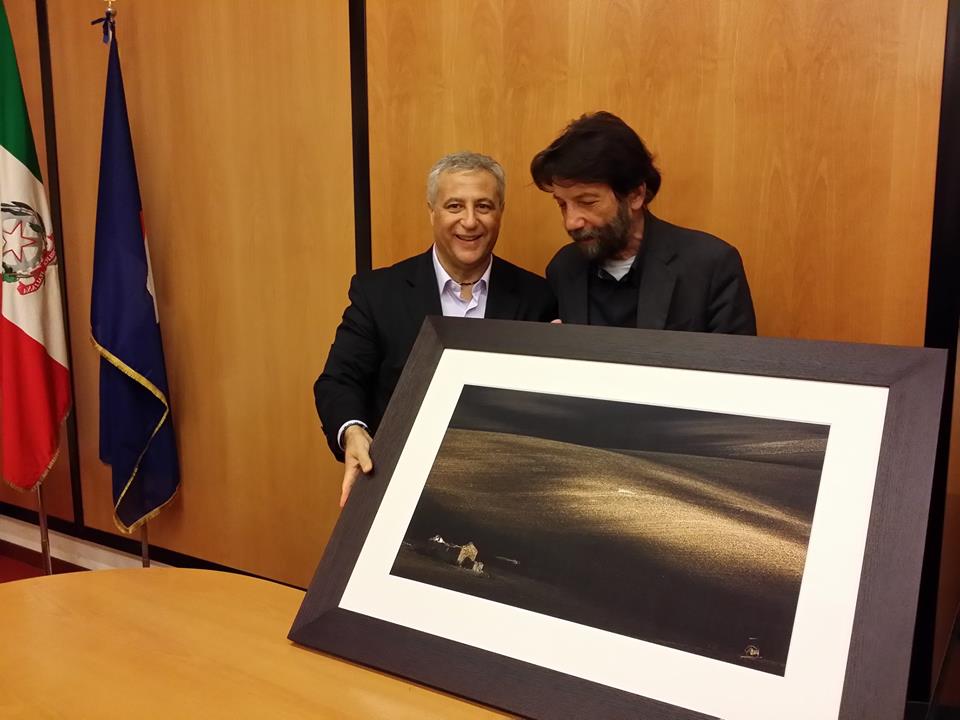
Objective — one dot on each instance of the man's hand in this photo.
(356, 458)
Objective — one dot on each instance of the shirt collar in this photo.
(632, 272)
(443, 277)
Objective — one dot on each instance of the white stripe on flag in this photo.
(39, 314)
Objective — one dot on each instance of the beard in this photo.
(604, 242)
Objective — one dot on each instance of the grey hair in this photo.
(465, 162)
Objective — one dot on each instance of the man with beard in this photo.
(626, 267)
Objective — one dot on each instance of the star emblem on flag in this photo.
(15, 245)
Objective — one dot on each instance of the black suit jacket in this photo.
(689, 281)
(387, 308)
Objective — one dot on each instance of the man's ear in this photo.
(637, 198)
(430, 212)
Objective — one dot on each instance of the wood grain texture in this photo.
(23, 27)
(165, 643)
(802, 132)
(241, 127)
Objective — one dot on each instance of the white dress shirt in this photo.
(451, 302)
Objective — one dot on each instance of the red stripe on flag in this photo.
(34, 400)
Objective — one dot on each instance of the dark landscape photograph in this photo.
(683, 528)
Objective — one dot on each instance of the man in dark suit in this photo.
(626, 267)
(459, 276)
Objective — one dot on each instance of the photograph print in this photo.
(679, 527)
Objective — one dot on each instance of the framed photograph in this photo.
(571, 521)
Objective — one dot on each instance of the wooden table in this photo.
(174, 643)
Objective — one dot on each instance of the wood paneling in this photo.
(797, 131)
(802, 132)
(240, 114)
(23, 27)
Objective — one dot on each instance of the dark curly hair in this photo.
(598, 148)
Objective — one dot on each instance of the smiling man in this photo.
(626, 267)
(458, 276)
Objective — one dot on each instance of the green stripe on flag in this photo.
(15, 133)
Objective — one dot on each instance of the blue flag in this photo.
(136, 426)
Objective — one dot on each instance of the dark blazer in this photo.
(387, 308)
(689, 281)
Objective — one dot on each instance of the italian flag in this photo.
(34, 380)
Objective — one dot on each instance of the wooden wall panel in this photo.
(802, 132)
(23, 27)
(240, 114)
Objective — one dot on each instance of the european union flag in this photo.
(136, 426)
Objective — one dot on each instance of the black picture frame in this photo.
(878, 656)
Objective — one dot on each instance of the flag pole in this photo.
(141, 446)
(44, 535)
(144, 546)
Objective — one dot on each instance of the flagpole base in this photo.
(44, 534)
(144, 546)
